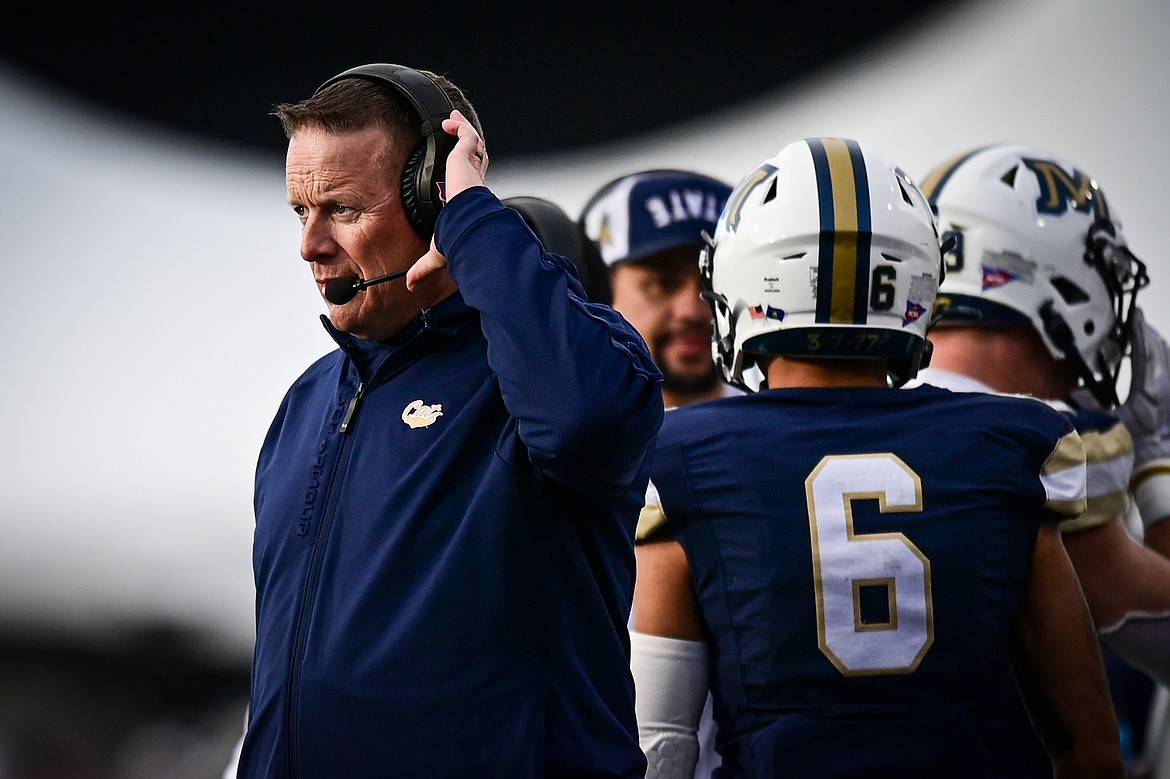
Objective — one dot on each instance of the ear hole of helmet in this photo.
(1057, 329)
(1069, 291)
(1104, 389)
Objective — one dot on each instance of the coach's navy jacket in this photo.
(443, 587)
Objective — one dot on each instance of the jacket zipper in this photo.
(312, 576)
(355, 403)
(351, 411)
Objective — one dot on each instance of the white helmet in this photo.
(1034, 242)
(825, 250)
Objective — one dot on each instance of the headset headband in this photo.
(425, 168)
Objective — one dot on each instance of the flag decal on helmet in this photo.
(1000, 268)
(922, 290)
(914, 312)
(996, 277)
(843, 192)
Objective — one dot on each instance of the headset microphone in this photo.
(341, 291)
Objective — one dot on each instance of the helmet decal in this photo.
(1059, 188)
(1001, 268)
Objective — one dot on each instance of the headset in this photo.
(424, 174)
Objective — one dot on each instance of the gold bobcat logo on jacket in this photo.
(417, 414)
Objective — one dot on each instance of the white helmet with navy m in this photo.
(824, 250)
(1032, 241)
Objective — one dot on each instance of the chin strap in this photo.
(902, 369)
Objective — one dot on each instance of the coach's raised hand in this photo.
(466, 167)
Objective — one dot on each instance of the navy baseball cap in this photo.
(651, 211)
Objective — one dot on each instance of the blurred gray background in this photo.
(155, 307)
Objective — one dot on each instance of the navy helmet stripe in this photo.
(846, 224)
(864, 233)
(932, 185)
(825, 206)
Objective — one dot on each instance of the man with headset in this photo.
(445, 505)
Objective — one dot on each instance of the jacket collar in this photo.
(443, 320)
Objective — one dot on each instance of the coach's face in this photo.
(344, 188)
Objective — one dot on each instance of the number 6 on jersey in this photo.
(860, 631)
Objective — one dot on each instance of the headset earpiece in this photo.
(424, 174)
(413, 181)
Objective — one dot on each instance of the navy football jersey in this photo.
(1016, 752)
(859, 556)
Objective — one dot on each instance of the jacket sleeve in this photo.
(576, 376)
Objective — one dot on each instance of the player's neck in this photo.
(1007, 359)
(793, 372)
